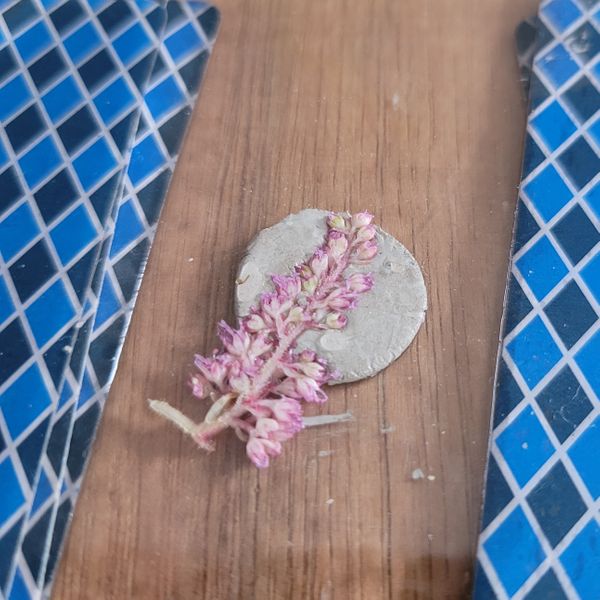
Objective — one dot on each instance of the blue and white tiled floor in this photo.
(540, 534)
(95, 96)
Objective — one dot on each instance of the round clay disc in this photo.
(387, 317)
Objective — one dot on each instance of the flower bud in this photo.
(304, 271)
(319, 263)
(365, 252)
(336, 321)
(197, 387)
(361, 219)
(337, 244)
(295, 315)
(310, 285)
(288, 286)
(364, 234)
(337, 221)
(359, 282)
(256, 453)
(307, 355)
(254, 323)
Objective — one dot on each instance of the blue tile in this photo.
(73, 233)
(116, 17)
(537, 92)
(594, 131)
(592, 198)
(6, 304)
(542, 268)
(591, 276)
(584, 453)
(172, 131)
(96, 5)
(547, 588)
(17, 230)
(525, 446)
(108, 304)
(548, 192)
(576, 234)
(587, 360)
(67, 15)
(581, 561)
(12, 495)
(11, 188)
(34, 41)
(146, 158)
(40, 161)
(19, 14)
(56, 196)
(77, 130)
(32, 269)
(164, 98)
(25, 128)
(98, 70)
(583, 99)
(19, 590)
(114, 100)
(558, 65)
(580, 162)
(183, 43)
(127, 229)
(534, 352)
(553, 125)
(508, 393)
(13, 96)
(42, 492)
(561, 13)
(564, 404)
(481, 586)
(514, 551)
(519, 306)
(30, 449)
(65, 394)
(87, 391)
(15, 349)
(62, 98)
(556, 504)
(584, 42)
(144, 5)
(24, 401)
(82, 43)
(3, 155)
(497, 493)
(132, 43)
(94, 164)
(209, 19)
(8, 545)
(570, 314)
(175, 16)
(48, 69)
(150, 197)
(50, 313)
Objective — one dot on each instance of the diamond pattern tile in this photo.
(540, 534)
(81, 197)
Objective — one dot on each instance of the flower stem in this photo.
(174, 415)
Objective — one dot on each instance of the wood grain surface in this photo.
(408, 108)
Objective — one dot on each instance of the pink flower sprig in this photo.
(257, 382)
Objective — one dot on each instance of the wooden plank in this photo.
(412, 110)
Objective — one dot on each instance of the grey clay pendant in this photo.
(386, 319)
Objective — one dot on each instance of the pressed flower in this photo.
(259, 379)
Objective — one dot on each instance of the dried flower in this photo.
(258, 381)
